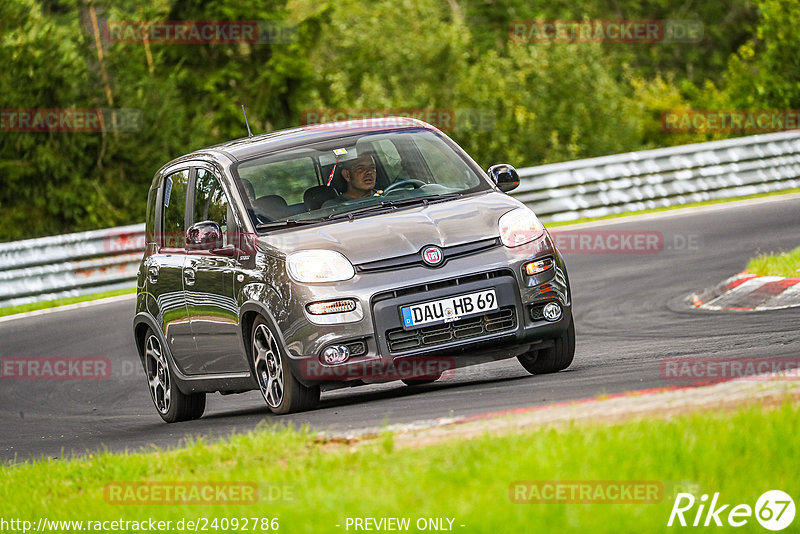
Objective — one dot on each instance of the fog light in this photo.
(331, 306)
(536, 267)
(336, 354)
(552, 311)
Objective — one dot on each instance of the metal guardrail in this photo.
(89, 262)
(662, 177)
(70, 265)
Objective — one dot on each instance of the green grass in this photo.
(785, 264)
(670, 208)
(11, 310)
(318, 485)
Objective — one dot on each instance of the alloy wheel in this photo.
(157, 374)
(268, 365)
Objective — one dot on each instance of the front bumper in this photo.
(378, 340)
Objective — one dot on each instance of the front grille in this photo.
(430, 336)
(440, 284)
(537, 312)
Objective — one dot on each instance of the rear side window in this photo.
(174, 209)
(288, 179)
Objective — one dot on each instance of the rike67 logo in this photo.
(774, 510)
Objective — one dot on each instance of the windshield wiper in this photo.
(428, 199)
(286, 223)
(383, 206)
(389, 205)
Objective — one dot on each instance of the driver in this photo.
(359, 173)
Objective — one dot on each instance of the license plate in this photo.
(449, 309)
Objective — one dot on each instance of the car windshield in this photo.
(355, 176)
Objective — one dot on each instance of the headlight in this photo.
(518, 227)
(319, 266)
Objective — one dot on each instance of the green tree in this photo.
(533, 103)
(765, 73)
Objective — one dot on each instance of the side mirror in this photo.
(204, 235)
(504, 176)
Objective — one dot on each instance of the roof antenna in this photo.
(249, 133)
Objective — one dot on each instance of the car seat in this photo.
(272, 206)
(314, 197)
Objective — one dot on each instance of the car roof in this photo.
(247, 147)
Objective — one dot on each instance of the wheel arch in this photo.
(250, 311)
(187, 384)
(141, 323)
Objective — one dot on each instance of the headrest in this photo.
(249, 190)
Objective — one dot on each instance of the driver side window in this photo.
(210, 202)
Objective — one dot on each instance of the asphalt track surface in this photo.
(630, 312)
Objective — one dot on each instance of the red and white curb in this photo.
(748, 292)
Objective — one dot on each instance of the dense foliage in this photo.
(523, 103)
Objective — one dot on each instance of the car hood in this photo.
(406, 231)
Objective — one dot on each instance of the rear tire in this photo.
(280, 389)
(552, 359)
(171, 403)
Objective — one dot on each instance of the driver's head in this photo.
(359, 174)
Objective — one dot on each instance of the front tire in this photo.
(552, 359)
(171, 403)
(422, 380)
(280, 389)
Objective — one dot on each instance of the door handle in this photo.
(188, 276)
(152, 274)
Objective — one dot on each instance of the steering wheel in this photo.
(415, 183)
